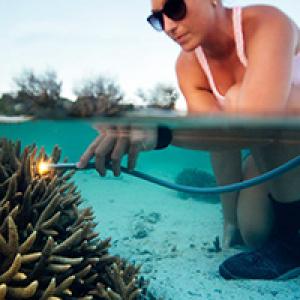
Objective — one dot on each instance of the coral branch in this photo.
(28, 243)
(48, 247)
(3, 290)
(48, 211)
(66, 260)
(32, 257)
(71, 241)
(58, 268)
(23, 292)
(13, 236)
(12, 271)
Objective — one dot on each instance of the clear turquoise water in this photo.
(149, 224)
(74, 136)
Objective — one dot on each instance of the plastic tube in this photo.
(291, 164)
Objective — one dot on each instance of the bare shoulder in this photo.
(269, 19)
(194, 84)
(189, 72)
(262, 13)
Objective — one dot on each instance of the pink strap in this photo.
(239, 41)
(238, 35)
(296, 70)
(205, 66)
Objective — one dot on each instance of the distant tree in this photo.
(43, 88)
(161, 95)
(96, 96)
(3, 107)
(101, 87)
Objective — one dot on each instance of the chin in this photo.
(188, 47)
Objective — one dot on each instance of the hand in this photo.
(114, 142)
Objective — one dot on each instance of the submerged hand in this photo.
(114, 142)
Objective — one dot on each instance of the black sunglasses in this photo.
(173, 9)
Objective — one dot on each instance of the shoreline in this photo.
(15, 119)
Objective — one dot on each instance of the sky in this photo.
(84, 38)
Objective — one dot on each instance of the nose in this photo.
(169, 25)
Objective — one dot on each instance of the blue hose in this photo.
(293, 163)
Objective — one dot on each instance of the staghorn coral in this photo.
(48, 246)
(197, 178)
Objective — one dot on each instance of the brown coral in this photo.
(48, 246)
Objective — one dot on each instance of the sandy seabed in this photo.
(172, 238)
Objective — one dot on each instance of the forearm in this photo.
(198, 139)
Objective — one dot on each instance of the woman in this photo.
(233, 61)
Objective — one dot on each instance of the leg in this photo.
(248, 213)
(279, 257)
(227, 169)
(285, 188)
(254, 209)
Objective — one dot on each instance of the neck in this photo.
(220, 42)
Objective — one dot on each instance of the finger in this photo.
(104, 148)
(117, 154)
(133, 154)
(102, 128)
(123, 131)
(89, 152)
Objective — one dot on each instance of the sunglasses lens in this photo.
(175, 9)
(156, 21)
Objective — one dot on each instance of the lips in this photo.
(179, 39)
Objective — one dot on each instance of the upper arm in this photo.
(271, 42)
(194, 86)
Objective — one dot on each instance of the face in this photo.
(187, 22)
